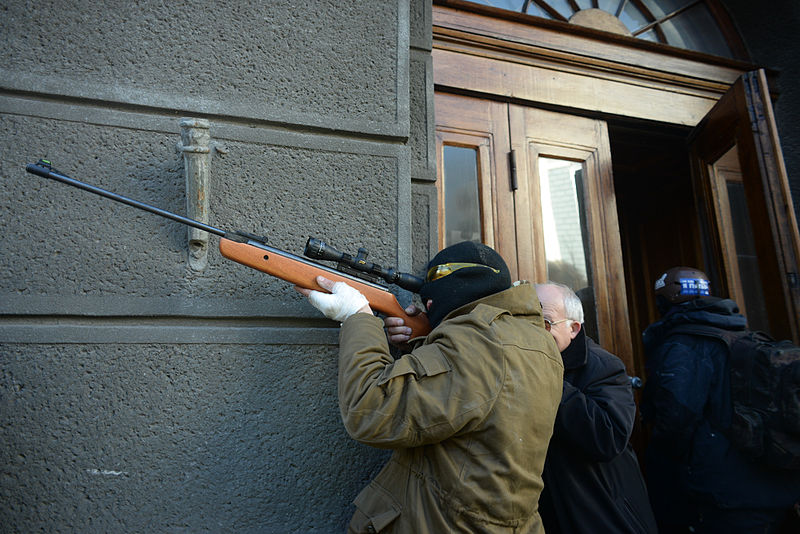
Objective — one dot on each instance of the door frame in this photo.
(743, 118)
(543, 133)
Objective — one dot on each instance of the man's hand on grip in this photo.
(398, 333)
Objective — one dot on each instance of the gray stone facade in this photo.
(139, 393)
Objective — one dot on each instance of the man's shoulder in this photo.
(601, 357)
(499, 326)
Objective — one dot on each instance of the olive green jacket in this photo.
(469, 413)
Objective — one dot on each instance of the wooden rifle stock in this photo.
(303, 273)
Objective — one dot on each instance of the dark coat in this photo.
(592, 480)
(687, 403)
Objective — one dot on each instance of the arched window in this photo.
(700, 25)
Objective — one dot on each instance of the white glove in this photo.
(342, 302)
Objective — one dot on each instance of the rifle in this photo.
(253, 251)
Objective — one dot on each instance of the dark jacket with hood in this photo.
(687, 401)
(591, 474)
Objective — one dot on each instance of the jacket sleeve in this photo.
(678, 393)
(415, 400)
(598, 417)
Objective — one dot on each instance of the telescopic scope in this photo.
(358, 266)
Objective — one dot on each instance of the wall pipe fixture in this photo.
(196, 147)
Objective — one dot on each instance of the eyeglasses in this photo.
(548, 324)
(440, 271)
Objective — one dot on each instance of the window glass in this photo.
(660, 8)
(462, 221)
(748, 287)
(746, 258)
(611, 6)
(694, 29)
(649, 35)
(566, 237)
(511, 5)
(684, 31)
(562, 6)
(537, 11)
(633, 18)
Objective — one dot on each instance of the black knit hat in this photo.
(466, 284)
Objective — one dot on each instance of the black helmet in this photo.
(682, 284)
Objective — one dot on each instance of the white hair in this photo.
(573, 308)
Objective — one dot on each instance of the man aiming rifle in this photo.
(468, 411)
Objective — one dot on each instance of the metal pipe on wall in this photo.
(196, 148)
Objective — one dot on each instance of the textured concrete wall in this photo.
(322, 63)
(137, 394)
(424, 228)
(163, 437)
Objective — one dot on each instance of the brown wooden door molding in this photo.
(539, 133)
(482, 125)
(743, 119)
(574, 68)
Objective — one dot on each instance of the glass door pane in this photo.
(462, 216)
(566, 215)
(739, 245)
(563, 222)
(564, 227)
(752, 292)
(746, 208)
(472, 166)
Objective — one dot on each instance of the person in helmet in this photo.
(697, 481)
(468, 412)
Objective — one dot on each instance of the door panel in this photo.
(482, 126)
(547, 202)
(584, 217)
(752, 231)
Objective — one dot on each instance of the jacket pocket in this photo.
(419, 364)
(376, 510)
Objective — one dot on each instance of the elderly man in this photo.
(468, 412)
(592, 478)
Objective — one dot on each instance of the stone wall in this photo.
(139, 393)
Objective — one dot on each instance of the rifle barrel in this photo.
(47, 172)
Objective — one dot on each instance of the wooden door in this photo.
(544, 199)
(747, 209)
(566, 224)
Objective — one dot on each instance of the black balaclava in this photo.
(467, 284)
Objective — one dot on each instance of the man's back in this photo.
(687, 402)
(469, 414)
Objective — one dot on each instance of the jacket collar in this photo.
(520, 300)
(713, 311)
(575, 354)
